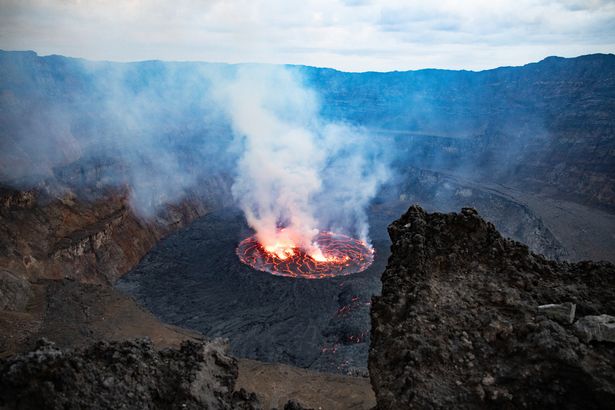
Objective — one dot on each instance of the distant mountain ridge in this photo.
(547, 125)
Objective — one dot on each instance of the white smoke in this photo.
(297, 171)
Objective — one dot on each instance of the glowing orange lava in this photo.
(339, 255)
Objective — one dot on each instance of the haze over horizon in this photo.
(349, 35)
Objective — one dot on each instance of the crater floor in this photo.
(194, 279)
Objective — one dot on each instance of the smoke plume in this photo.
(167, 130)
(298, 173)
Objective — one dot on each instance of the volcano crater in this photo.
(194, 279)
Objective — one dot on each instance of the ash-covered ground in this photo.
(194, 279)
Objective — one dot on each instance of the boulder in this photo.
(599, 328)
(560, 312)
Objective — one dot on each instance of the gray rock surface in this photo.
(457, 324)
(599, 328)
(560, 312)
(15, 291)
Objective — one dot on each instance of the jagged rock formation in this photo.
(67, 230)
(458, 323)
(90, 238)
(128, 375)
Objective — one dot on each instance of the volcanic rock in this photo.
(128, 375)
(599, 328)
(15, 291)
(90, 239)
(560, 312)
(458, 324)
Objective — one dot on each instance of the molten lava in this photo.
(336, 255)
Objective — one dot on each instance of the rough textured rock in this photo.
(560, 312)
(128, 375)
(458, 325)
(93, 238)
(15, 291)
(600, 328)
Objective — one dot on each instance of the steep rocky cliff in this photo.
(90, 239)
(61, 230)
(468, 319)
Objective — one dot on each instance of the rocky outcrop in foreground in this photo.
(468, 319)
(126, 375)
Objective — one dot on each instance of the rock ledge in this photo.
(458, 324)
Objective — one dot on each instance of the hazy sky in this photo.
(353, 35)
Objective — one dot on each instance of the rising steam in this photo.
(298, 174)
(168, 130)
